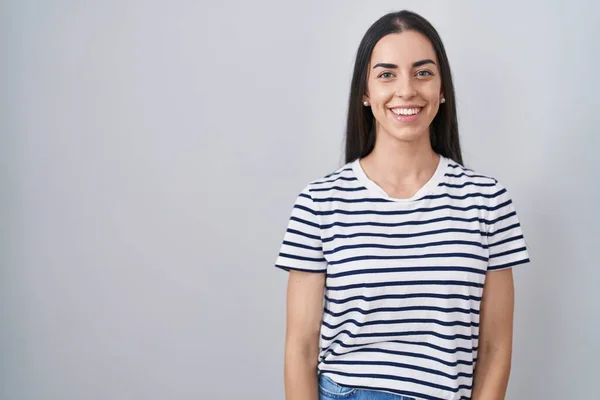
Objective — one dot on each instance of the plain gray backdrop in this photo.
(151, 153)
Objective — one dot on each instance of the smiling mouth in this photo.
(406, 114)
(406, 111)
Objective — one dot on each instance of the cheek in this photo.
(379, 92)
(433, 96)
(431, 91)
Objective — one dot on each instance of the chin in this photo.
(410, 134)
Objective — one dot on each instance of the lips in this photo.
(406, 114)
(411, 110)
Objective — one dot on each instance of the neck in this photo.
(396, 162)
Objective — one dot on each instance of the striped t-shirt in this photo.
(404, 277)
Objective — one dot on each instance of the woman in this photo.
(389, 254)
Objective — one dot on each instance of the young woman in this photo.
(400, 282)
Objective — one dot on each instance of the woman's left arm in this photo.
(495, 336)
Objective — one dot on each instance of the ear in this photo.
(365, 98)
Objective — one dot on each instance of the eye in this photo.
(385, 75)
(424, 73)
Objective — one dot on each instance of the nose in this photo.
(404, 87)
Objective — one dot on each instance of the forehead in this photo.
(403, 49)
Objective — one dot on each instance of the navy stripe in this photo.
(337, 172)
(305, 222)
(461, 167)
(405, 235)
(506, 253)
(401, 365)
(302, 246)
(503, 217)
(409, 354)
(405, 269)
(286, 268)
(467, 184)
(442, 349)
(358, 200)
(306, 235)
(337, 179)
(508, 265)
(464, 197)
(340, 188)
(354, 322)
(295, 257)
(304, 208)
(400, 309)
(501, 242)
(429, 197)
(406, 296)
(407, 223)
(408, 333)
(410, 257)
(406, 246)
(506, 228)
(416, 210)
(406, 379)
(467, 175)
(405, 283)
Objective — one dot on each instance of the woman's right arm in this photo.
(304, 312)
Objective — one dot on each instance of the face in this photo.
(404, 85)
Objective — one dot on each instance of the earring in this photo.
(443, 100)
(366, 103)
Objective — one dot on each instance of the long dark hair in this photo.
(360, 128)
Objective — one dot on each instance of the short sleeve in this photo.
(302, 247)
(507, 246)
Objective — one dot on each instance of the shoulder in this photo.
(341, 178)
(459, 174)
(489, 191)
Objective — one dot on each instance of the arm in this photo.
(495, 337)
(304, 313)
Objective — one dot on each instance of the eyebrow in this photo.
(415, 64)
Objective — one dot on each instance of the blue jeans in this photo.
(329, 390)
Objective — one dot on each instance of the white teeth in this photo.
(406, 111)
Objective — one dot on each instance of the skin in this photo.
(305, 293)
(402, 160)
(495, 336)
(401, 163)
